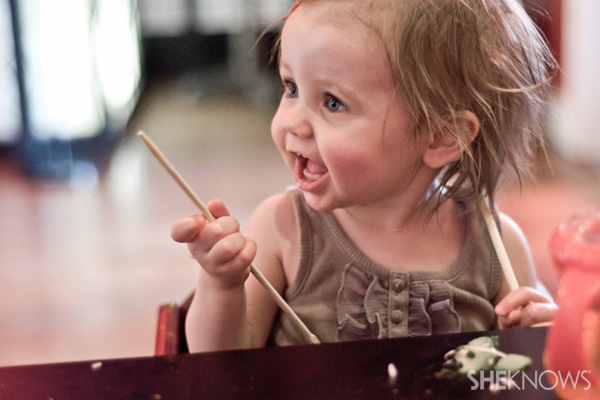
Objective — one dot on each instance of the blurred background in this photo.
(85, 211)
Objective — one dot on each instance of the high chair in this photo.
(170, 330)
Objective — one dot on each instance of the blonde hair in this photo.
(451, 56)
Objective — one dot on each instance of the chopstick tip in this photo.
(141, 133)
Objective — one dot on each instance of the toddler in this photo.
(396, 117)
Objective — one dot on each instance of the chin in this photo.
(322, 203)
(318, 203)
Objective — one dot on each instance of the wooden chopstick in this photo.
(308, 335)
(507, 269)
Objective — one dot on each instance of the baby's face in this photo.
(340, 127)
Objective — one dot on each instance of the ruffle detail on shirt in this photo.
(430, 309)
(362, 307)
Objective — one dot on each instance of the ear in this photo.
(445, 146)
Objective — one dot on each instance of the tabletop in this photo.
(349, 370)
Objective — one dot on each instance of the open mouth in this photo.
(309, 174)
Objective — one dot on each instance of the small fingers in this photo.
(218, 246)
(187, 229)
(217, 230)
(510, 320)
(234, 271)
(519, 298)
(524, 307)
(244, 258)
(218, 208)
(226, 249)
(536, 313)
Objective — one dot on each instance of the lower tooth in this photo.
(310, 177)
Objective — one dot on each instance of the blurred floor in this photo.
(83, 270)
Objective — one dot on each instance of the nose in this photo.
(295, 119)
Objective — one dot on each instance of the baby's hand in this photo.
(524, 307)
(218, 246)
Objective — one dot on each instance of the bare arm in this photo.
(530, 304)
(230, 309)
(274, 227)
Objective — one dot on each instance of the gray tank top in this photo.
(341, 294)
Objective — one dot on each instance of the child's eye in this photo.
(334, 105)
(291, 90)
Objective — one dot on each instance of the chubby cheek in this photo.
(348, 167)
(278, 136)
(277, 132)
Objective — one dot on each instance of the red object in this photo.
(575, 247)
(168, 330)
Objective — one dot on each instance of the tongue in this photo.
(315, 169)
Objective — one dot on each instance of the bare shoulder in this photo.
(279, 205)
(273, 227)
(273, 217)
